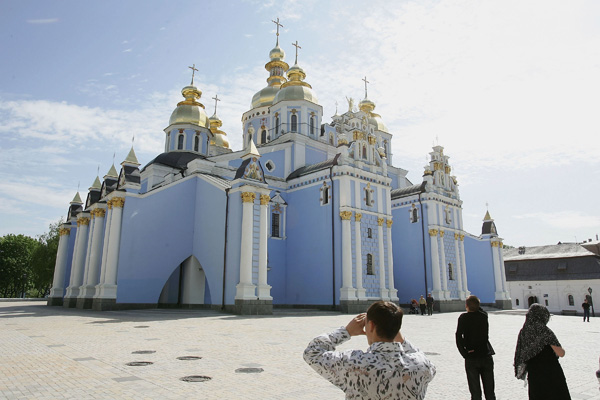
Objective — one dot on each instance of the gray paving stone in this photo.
(82, 354)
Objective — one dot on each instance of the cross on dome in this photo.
(194, 69)
(216, 98)
(297, 47)
(278, 26)
(366, 81)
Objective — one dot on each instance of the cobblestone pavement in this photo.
(57, 353)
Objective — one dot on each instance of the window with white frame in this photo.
(370, 269)
(196, 142)
(276, 224)
(571, 300)
(294, 123)
(413, 214)
(180, 140)
(325, 194)
(450, 272)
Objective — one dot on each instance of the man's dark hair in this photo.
(473, 303)
(387, 318)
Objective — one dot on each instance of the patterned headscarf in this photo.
(534, 336)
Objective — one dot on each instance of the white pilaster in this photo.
(108, 288)
(347, 292)
(88, 251)
(497, 272)
(95, 257)
(458, 268)
(463, 264)
(444, 267)
(361, 292)
(60, 268)
(105, 243)
(383, 290)
(78, 264)
(437, 291)
(245, 289)
(393, 292)
(503, 271)
(264, 290)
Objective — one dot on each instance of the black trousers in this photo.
(480, 368)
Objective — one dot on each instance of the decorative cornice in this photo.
(357, 217)
(248, 197)
(389, 223)
(264, 199)
(83, 221)
(433, 232)
(346, 215)
(380, 221)
(118, 202)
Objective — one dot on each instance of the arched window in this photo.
(324, 194)
(364, 152)
(275, 220)
(450, 272)
(197, 143)
(168, 145)
(571, 300)
(277, 125)
(370, 270)
(294, 122)
(180, 142)
(517, 301)
(369, 233)
(368, 197)
(331, 139)
(312, 125)
(414, 214)
(263, 136)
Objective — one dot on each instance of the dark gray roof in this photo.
(308, 169)
(408, 191)
(175, 159)
(489, 228)
(553, 269)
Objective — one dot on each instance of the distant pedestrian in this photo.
(586, 310)
(429, 304)
(473, 344)
(422, 304)
(536, 357)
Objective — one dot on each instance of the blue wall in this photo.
(480, 269)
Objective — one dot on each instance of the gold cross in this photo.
(278, 25)
(366, 81)
(194, 69)
(216, 98)
(297, 47)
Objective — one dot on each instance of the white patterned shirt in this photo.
(387, 370)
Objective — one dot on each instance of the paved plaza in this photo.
(57, 353)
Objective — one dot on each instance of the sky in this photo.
(511, 89)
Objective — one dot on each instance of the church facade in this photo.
(308, 214)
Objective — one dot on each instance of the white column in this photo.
(88, 251)
(105, 244)
(95, 257)
(264, 290)
(246, 290)
(437, 292)
(60, 268)
(444, 267)
(361, 292)
(463, 263)
(497, 272)
(392, 288)
(347, 292)
(78, 257)
(458, 268)
(383, 290)
(108, 289)
(503, 270)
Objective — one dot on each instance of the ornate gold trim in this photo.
(357, 217)
(346, 215)
(83, 221)
(442, 233)
(494, 244)
(372, 139)
(456, 236)
(64, 231)
(109, 204)
(380, 221)
(389, 223)
(118, 202)
(264, 199)
(248, 197)
(462, 237)
(433, 232)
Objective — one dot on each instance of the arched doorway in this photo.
(531, 300)
(185, 287)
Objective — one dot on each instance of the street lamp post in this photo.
(591, 301)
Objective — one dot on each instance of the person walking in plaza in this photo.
(429, 301)
(586, 310)
(391, 368)
(422, 304)
(473, 344)
(536, 357)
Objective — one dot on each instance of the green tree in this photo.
(15, 264)
(43, 261)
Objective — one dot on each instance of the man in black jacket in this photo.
(473, 344)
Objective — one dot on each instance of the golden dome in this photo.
(265, 96)
(366, 105)
(220, 137)
(375, 120)
(189, 111)
(277, 54)
(295, 88)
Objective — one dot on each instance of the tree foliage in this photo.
(43, 260)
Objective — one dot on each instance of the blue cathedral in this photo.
(309, 214)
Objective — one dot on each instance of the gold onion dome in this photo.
(190, 111)
(295, 88)
(367, 106)
(276, 67)
(220, 138)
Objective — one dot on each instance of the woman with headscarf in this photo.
(536, 357)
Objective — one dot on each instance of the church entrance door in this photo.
(531, 300)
